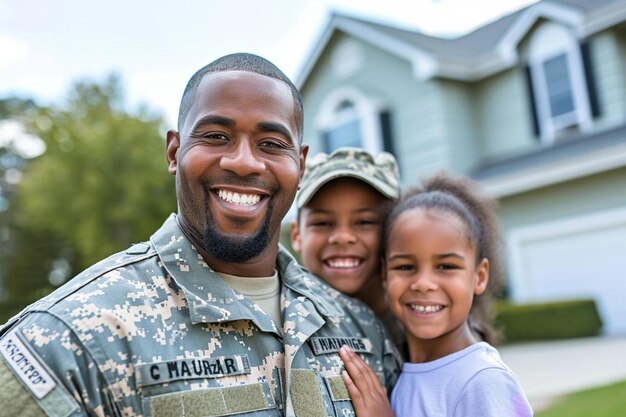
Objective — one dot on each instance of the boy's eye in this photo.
(320, 223)
(447, 267)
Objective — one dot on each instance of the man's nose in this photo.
(242, 158)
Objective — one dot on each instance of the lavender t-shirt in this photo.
(473, 382)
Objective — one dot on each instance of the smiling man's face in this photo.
(237, 162)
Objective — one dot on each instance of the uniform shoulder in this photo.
(119, 267)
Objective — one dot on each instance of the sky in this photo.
(156, 45)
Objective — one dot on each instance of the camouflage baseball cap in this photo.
(380, 171)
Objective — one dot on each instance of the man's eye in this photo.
(210, 135)
(273, 144)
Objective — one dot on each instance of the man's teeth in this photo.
(240, 199)
(426, 309)
(344, 263)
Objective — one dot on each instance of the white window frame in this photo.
(366, 110)
(549, 41)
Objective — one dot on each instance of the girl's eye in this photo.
(447, 267)
(405, 267)
(366, 222)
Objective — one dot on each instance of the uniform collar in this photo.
(209, 299)
(303, 282)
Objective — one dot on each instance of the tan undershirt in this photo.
(264, 291)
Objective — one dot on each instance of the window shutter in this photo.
(590, 79)
(385, 131)
(531, 100)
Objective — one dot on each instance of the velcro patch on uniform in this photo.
(306, 394)
(26, 366)
(17, 400)
(14, 398)
(174, 370)
(322, 345)
(337, 388)
(213, 402)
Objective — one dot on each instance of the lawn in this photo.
(605, 401)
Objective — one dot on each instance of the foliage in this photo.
(21, 280)
(553, 320)
(101, 185)
(605, 401)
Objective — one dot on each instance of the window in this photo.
(346, 130)
(559, 86)
(349, 118)
(560, 83)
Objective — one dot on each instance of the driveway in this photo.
(547, 370)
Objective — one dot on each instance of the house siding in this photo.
(608, 51)
(590, 194)
(504, 118)
(460, 127)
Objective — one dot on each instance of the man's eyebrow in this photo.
(212, 119)
(269, 127)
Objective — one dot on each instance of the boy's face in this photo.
(338, 234)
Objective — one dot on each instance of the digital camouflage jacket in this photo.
(153, 331)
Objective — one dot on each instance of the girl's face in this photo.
(431, 276)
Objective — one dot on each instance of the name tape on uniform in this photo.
(167, 371)
(26, 366)
(323, 345)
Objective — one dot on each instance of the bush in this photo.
(552, 320)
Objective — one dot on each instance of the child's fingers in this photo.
(369, 398)
(361, 374)
(353, 391)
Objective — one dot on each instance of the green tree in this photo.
(21, 281)
(101, 185)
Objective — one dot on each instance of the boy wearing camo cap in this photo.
(342, 205)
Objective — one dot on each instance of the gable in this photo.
(477, 55)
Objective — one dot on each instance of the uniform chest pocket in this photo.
(314, 395)
(203, 387)
(241, 400)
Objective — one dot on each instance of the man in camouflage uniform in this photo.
(211, 316)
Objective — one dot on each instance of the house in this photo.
(532, 105)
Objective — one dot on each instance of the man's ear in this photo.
(171, 151)
(304, 150)
(482, 277)
(296, 244)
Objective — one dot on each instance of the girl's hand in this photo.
(368, 396)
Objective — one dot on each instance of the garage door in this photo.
(573, 258)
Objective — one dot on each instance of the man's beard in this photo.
(235, 249)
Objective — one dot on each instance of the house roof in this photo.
(573, 158)
(478, 54)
